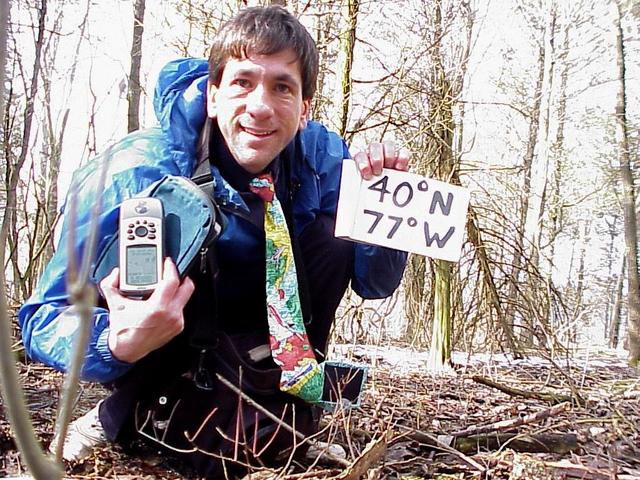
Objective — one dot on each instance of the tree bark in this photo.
(347, 47)
(612, 281)
(518, 392)
(630, 219)
(445, 86)
(133, 116)
(562, 443)
(13, 169)
(614, 327)
(440, 351)
(526, 169)
(557, 148)
(39, 465)
(487, 279)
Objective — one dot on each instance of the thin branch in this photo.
(327, 454)
(82, 295)
(39, 465)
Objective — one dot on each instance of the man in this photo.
(261, 79)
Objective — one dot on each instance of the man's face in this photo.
(259, 107)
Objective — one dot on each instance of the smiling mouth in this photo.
(258, 132)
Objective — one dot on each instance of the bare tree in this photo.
(134, 90)
(14, 165)
(347, 46)
(35, 195)
(616, 315)
(40, 466)
(529, 156)
(626, 174)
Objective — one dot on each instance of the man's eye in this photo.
(242, 82)
(283, 88)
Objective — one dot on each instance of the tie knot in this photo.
(262, 186)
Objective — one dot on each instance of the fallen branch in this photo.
(561, 443)
(517, 392)
(441, 442)
(503, 425)
(371, 455)
(540, 443)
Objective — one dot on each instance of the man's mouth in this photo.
(258, 132)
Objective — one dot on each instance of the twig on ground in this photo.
(514, 422)
(372, 454)
(326, 454)
(517, 392)
(440, 444)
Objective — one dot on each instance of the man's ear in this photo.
(304, 115)
(211, 100)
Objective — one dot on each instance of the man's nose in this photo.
(258, 103)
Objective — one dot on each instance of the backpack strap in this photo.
(204, 336)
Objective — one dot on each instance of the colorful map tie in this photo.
(302, 376)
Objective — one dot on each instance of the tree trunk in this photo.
(488, 281)
(545, 119)
(43, 245)
(612, 281)
(133, 116)
(444, 86)
(347, 46)
(526, 169)
(440, 351)
(579, 293)
(445, 93)
(14, 403)
(557, 148)
(13, 169)
(630, 228)
(616, 315)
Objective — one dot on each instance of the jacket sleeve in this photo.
(377, 271)
(48, 322)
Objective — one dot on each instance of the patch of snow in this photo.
(406, 359)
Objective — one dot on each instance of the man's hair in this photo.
(265, 31)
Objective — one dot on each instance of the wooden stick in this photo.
(539, 443)
(561, 443)
(372, 454)
(514, 422)
(516, 392)
(433, 441)
(325, 454)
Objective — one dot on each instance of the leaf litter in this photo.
(534, 418)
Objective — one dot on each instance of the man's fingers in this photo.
(381, 155)
(376, 157)
(170, 282)
(184, 292)
(390, 154)
(362, 161)
(170, 289)
(402, 160)
(110, 284)
(169, 269)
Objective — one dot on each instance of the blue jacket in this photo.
(145, 157)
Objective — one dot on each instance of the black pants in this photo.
(327, 265)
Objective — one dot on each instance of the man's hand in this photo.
(381, 155)
(137, 327)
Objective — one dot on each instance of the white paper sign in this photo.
(404, 211)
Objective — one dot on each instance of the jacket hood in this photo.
(179, 103)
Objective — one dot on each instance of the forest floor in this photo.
(494, 418)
